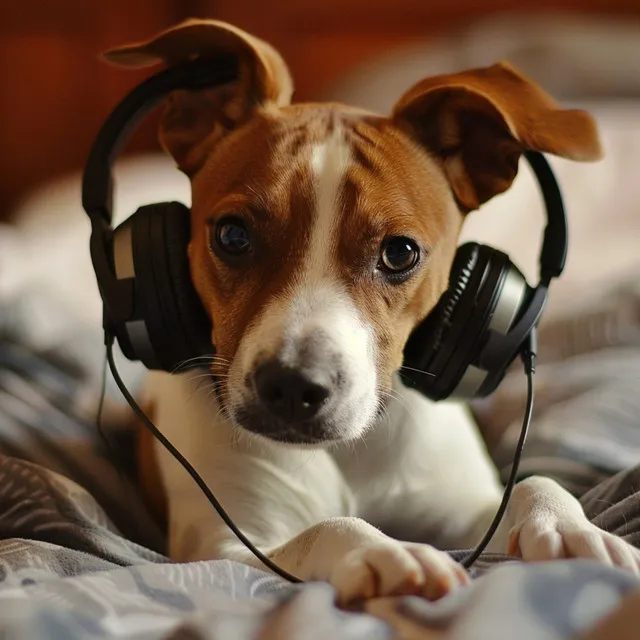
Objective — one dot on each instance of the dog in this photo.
(321, 235)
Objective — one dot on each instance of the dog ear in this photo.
(478, 123)
(193, 121)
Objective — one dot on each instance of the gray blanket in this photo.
(80, 557)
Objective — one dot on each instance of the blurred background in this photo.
(56, 92)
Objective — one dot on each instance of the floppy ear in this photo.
(478, 123)
(193, 121)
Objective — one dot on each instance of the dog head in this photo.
(323, 234)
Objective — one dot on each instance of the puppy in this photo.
(321, 236)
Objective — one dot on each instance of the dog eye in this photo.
(398, 256)
(232, 237)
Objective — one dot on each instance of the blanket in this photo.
(80, 557)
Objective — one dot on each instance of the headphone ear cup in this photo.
(168, 326)
(485, 296)
(192, 318)
(427, 339)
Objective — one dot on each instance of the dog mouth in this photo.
(256, 420)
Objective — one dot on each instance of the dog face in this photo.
(321, 234)
(316, 256)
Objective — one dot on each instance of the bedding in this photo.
(80, 557)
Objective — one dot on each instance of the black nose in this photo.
(289, 394)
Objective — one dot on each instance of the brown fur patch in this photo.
(405, 195)
(480, 121)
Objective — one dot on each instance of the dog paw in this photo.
(544, 539)
(390, 569)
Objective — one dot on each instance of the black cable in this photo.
(529, 359)
(189, 468)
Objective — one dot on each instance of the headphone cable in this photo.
(188, 467)
(528, 356)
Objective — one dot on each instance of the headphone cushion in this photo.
(195, 324)
(177, 327)
(426, 340)
(463, 265)
(453, 336)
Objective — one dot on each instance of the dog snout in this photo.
(289, 394)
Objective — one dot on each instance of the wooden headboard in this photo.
(55, 92)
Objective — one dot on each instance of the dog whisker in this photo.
(426, 373)
(200, 386)
(392, 394)
(207, 356)
(381, 410)
(200, 360)
(200, 376)
(206, 374)
(312, 455)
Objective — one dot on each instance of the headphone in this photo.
(462, 349)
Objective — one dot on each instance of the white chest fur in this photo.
(399, 476)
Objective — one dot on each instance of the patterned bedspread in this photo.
(81, 558)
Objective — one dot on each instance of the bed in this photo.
(81, 556)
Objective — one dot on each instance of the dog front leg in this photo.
(359, 561)
(545, 522)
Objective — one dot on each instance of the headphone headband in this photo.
(97, 181)
(555, 241)
(496, 314)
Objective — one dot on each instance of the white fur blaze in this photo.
(329, 163)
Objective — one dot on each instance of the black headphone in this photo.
(462, 349)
